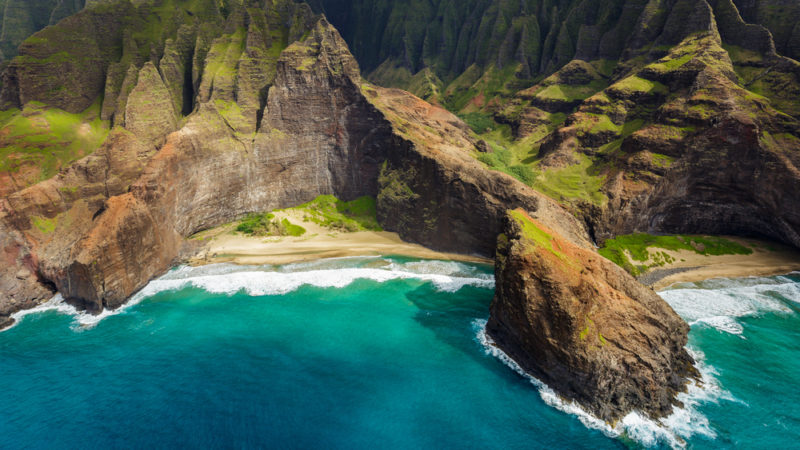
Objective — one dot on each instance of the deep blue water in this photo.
(364, 353)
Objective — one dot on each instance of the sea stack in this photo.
(584, 326)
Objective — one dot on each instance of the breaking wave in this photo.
(230, 279)
(82, 320)
(672, 431)
(718, 303)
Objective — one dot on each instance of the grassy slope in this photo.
(633, 251)
(43, 140)
(330, 212)
(325, 210)
(583, 180)
(265, 224)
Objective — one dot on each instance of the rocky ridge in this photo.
(676, 116)
(453, 52)
(21, 18)
(683, 145)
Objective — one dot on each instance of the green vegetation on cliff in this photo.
(38, 141)
(637, 253)
(143, 66)
(21, 18)
(503, 160)
(581, 181)
(330, 212)
(265, 224)
(325, 210)
(45, 225)
(533, 233)
(584, 101)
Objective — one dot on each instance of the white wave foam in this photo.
(229, 279)
(82, 319)
(257, 282)
(673, 430)
(722, 323)
(447, 268)
(329, 263)
(719, 302)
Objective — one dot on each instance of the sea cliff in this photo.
(206, 111)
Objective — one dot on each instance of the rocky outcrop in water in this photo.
(584, 326)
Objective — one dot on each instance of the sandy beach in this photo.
(767, 259)
(224, 245)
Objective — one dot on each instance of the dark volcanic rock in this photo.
(584, 326)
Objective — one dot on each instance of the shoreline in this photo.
(706, 273)
(224, 245)
(768, 259)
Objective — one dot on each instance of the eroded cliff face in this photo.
(266, 132)
(259, 108)
(679, 115)
(317, 136)
(434, 192)
(584, 326)
(21, 18)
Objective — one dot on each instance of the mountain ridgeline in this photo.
(131, 125)
(534, 37)
(629, 112)
(21, 18)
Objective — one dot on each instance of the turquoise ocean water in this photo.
(368, 353)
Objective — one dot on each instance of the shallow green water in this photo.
(352, 353)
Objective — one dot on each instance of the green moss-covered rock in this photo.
(64, 66)
(21, 18)
(36, 142)
(150, 112)
(780, 17)
(453, 38)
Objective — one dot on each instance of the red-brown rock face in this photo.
(322, 131)
(584, 326)
(307, 125)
